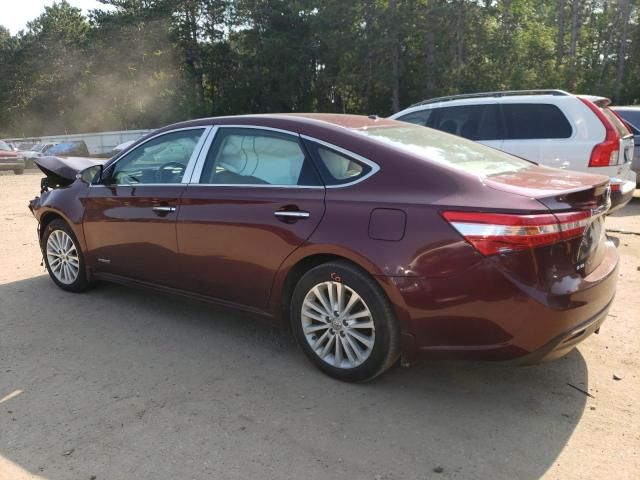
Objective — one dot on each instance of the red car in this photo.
(10, 159)
(373, 239)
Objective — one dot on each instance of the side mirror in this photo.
(91, 175)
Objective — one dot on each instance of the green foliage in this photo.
(145, 63)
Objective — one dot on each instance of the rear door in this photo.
(130, 218)
(538, 132)
(255, 198)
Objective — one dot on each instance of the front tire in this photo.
(344, 322)
(63, 257)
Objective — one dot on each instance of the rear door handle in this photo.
(164, 209)
(293, 214)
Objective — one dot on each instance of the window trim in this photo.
(197, 151)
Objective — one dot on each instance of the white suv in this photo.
(549, 127)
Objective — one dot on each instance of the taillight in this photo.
(606, 153)
(492, 233)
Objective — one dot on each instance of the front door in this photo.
(130, 217)
(257, 198)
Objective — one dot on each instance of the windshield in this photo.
(4, 146)
(448, 149)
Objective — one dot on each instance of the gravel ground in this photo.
(119, 383)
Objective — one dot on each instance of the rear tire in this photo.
(18, 171)
(344, 323)
(63, 257)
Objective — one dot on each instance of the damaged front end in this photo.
(62, 172)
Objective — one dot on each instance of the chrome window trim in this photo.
(195, 178)
(140, 185)
(254, 185)
(374, 166)
(196, 172)
(197, 151)
(199, 167)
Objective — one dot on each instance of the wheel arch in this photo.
(294, 268)
(50, 215)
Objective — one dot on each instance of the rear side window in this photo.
(335, 167)
(420, 117)
(242, 156)
(475, 122)
(526, 121)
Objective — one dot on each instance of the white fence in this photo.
(97, 143)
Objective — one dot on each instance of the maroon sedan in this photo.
(373, 239)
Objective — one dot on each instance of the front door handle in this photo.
(291, 214)
(164, 209)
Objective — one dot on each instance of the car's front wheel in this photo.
(344, 323)
(63, 257)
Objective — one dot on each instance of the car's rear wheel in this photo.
(344, 323)
(63, 257)
(18, 171)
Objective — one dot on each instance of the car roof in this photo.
(301, 119)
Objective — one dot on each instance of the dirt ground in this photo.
(119, 383)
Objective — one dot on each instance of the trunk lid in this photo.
(564, 192)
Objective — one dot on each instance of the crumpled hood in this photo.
(64, 169)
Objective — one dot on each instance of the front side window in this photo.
(247, 156)
(161, 160)
(475, 122)
(527, 121)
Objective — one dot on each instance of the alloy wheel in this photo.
(62, 257)
(338, 324)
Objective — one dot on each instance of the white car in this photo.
(549, 127)
(36, 151)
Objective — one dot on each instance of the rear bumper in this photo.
(500, 319)
(621, 194)
(566, 341)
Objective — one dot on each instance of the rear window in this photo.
(526, 121)
(620, 127)
(632, 117)
(458, 153)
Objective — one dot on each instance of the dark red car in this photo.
(373, 239)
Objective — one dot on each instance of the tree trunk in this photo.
(624, 18)
(395, 57)
(573, 46)
(560, 40)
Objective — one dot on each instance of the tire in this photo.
(315, 330)
(19, 171)
(63, 257)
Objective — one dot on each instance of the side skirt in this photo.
(109, 277)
